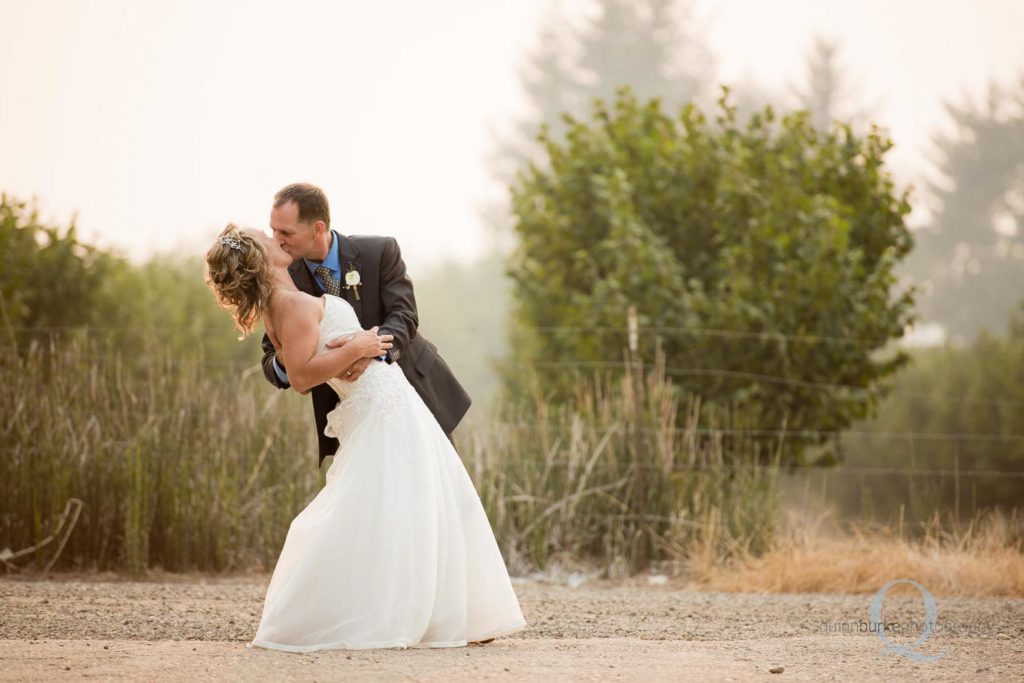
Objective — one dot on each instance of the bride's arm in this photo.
(298, 332)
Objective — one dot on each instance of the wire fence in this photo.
(789, 433)
(839, 470)
(796, 434)
(548, 329)
(242, 365)
(252, 368)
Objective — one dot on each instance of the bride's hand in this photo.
(369, 342)
(372, 344)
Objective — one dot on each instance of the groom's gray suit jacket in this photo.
(385, 299)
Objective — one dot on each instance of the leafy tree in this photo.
(48, 277)
(970, 401)
(760, 259)
(172, 308)
(53, 286)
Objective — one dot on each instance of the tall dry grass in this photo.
(608, 477)
(185, 467)
(179, 464)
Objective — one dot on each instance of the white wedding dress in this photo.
(396, 550)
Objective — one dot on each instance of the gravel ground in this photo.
(196, 628)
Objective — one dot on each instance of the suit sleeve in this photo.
(397, 299)
(271, 365)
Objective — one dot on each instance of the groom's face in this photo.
(299, 239)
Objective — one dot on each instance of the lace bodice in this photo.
(375, 388)
(339, 319)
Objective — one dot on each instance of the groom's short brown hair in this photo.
(310, 199)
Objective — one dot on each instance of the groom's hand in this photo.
(352, 372)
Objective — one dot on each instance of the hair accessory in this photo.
(231, 241)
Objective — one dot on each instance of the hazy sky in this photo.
(158, 122)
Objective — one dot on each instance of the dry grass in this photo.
(607, 477)
(983, 559)
(182, 468)
(177, 466)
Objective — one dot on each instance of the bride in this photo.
(396, 549)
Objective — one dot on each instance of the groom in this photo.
(369, 273)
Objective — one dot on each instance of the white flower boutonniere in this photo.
(352, 280)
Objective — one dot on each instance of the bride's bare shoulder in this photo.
(290, 305)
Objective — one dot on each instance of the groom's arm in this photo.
(272, 368)
(397, 299)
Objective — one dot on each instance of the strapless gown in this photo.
(396, 550)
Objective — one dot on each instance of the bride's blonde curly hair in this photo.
(238, 271)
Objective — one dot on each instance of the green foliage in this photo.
(760, 258)
(54, 286)
(970, 401)
(47, 277)
(169, 304)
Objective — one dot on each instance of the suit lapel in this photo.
(303, 280)
(348, 255)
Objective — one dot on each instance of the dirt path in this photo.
(196, 628)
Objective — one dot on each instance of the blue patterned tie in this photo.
(331, 285)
